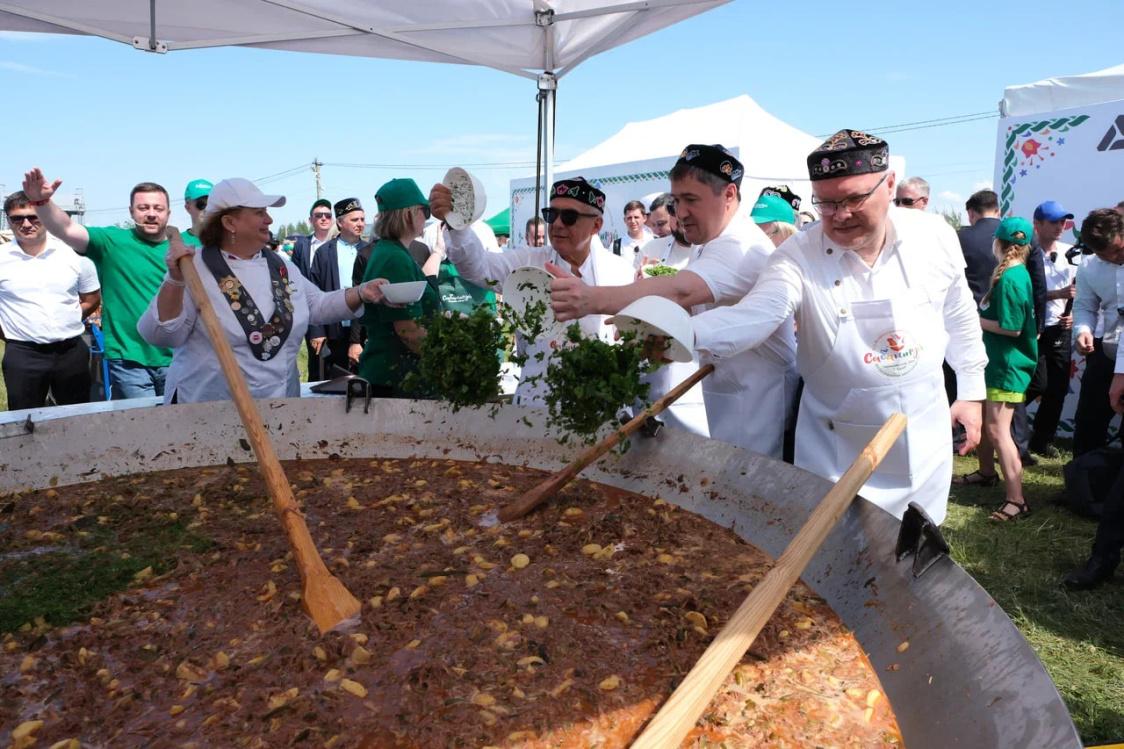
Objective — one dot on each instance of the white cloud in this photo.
(982, 185)
(19, 67)
(949, 196)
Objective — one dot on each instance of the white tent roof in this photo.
(1063, 92)
(519, 36)
(739, 122)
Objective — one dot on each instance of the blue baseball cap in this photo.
(1051, 210)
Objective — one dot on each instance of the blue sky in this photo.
(103, 116)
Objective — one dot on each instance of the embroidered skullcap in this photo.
(715, 159)
(580, 190)
(346, 206)
(847, 153)
(785, 192)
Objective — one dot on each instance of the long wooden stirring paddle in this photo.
(323, 596)
(552, 485)
(678, 715)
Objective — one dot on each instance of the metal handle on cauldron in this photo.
(679, 714)
(552, 485)
(323, 596)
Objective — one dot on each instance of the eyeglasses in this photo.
(30, 218)
(851, 204)
(907, 202)
(201, 203)
(318, 216)
(568, 216)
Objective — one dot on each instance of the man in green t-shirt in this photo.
(195, 202)
(130, 264)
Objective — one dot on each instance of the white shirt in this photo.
(666, 251)
(39, 295)
(195, 372)
(1059, 275)
(314, 244)
(631, 248)
(730, 265)
(482, 231)
(790, 284)
(1100, 289)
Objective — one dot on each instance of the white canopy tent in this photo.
(1063, 92)
(634, 162)
(537, 39)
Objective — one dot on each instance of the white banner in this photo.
(1074, 156)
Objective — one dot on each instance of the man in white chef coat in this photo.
(748, 397)
(880, 299)
(573, 219)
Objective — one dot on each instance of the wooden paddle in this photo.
(324, 597)
(552, 485)
(682, 710)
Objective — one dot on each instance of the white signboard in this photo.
(1074, 156)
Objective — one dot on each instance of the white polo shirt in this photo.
(39, 295)
(1059, 274)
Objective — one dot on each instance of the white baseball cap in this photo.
(238, 192)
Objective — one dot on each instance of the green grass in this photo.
(1078, 636)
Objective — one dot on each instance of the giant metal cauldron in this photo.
(968, 679)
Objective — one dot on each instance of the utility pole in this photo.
(316, 164)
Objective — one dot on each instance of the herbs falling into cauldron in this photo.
(589, 381)
(459, 358)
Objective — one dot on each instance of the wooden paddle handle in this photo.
(552, 485)
(682, 710)
(308, 559)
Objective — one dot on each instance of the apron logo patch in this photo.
(894, 354)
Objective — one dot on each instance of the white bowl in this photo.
(406, 292)
(659, 316)
(469, 200)
(527, 285)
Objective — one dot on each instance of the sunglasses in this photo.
(201, 203)
(318, 216)
(425, 211)
(30, 218)
(568, 216)
(907, 202)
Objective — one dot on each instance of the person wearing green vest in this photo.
(195, 202)
(394, 334)
(1011, 339)
(130, 264)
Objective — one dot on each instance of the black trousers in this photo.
(1054, 348)
(31, 370)
(1110, 531)
(1090, 427)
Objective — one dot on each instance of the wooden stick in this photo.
(682, 710)
(323, 596)
(552, 485)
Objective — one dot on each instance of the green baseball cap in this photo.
(772, 208)
(399, 193)
(197, 188)
(1014, 229)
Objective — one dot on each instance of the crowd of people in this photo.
(820, 325)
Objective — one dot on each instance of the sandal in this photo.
(975, 478)
(1000, 515)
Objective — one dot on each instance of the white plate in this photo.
(659, 316)
(406, 292)
(527, 285)
(469, 201)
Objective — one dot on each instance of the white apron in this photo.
(887, 357)
(686, 413)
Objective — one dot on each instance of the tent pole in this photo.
(548, 85)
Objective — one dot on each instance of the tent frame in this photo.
(544, 16)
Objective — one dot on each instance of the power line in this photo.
(439, 167)
(902, 127)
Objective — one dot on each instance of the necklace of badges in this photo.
(264, 336)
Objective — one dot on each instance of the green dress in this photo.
(386, 360)
(1011, 361)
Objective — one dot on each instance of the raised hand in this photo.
(440, 201)
(570, 298)
(176, 250)
(36, 187)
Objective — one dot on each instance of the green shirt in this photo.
(385, 359)
(190, 239)
(131, 271)
(1011, 361)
